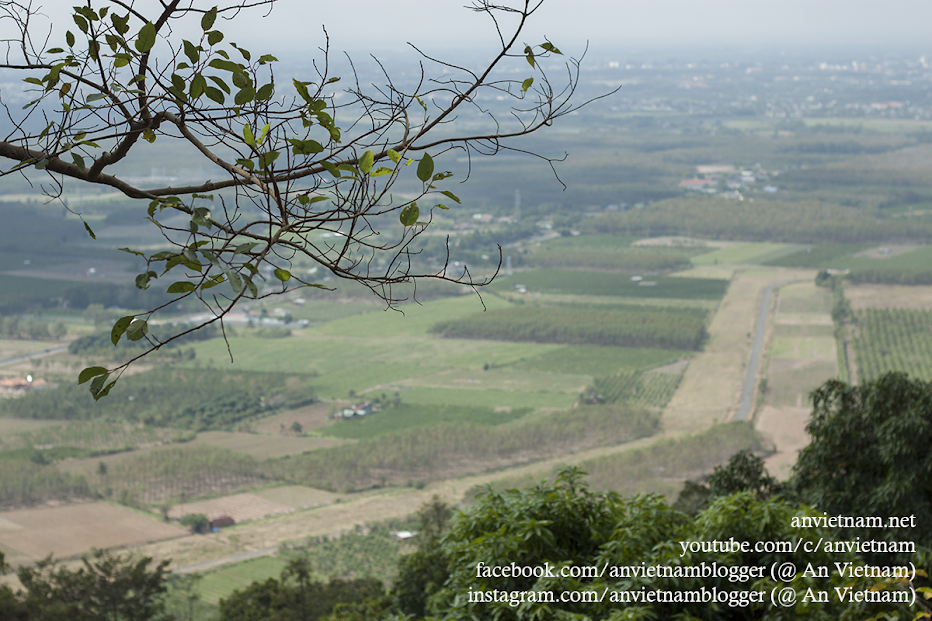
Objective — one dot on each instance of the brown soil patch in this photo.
(241, 507)
(311, 417)
(786, 428)
(889, 296)
(74, 529)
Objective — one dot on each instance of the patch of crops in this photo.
(665, 329)
(894, 339)
(823, 255)
(23, 483)
(648, 389)
(569, 282)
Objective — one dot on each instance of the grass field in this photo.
(488, 398)
(894, 340)
(409, 416)
(597, 283)
(753, 252)
(592, 361)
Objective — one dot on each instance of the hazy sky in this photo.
(674, 24)
(611, 23)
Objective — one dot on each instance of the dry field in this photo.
(241, 507)
(300, 497)
(889, 296)
(263, 445)
(802, 355)
(311, 417)
(28, 535)
(711, 387)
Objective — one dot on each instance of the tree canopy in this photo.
(289, 160)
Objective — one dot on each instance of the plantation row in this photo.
(762, 220)
(647, 389)
(23, 483)
(894, 340)
(455, 449)
(94, 435)
(197, 399)
(175, 472)
(664, 329)
(892, 276)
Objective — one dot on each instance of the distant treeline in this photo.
(761, 220)
(449, 449)
(891, 276)
(664, 329)
(30, 328)
(100, 342)
(197, 399)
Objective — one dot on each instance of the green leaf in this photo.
(317, 199)
(530, 55)
(265, 92)
(381, 171)
(54, 50)
(130, 251)
(394, 156)
(81, 22)
(78, 161)
(265, 132)
(247, 164)
(100, 394)
(330, 168)
(266, 159)
(69, 38)
(146, 38)
(248, 138)
(214, 37)
(251, 286)
(282, 275)
(97, 384)
(366, 162)
(527, 84)
(182, 286)
(225, 65)
(198, 86)
(213, 282)
(120, 327)
(548, 46)
(89, 231)
(90, 372)
(234, 279)
(244, 96)
(142, 280)
(214, 94)
(149, 137)
(207, 21)
(137, 330)
(201, 217)
(409, 214)
(305, 147)
(301, 87)
(425, 168)
(451, 196)
(191, 51)
(246, 248)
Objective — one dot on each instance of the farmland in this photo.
(894, 339)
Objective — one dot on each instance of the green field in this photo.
(409, 416)
(821, 256)
(592, 360)
(754, 253)
(648, 389)
(488, 398)
(894, 340)
(598, 283)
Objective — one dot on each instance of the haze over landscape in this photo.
(729, 242)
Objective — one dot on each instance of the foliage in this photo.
(449, 449)
(105, 587)
(423, 573)
(197, 399)
(100, 343)
(563, 524)
(744, 472)
(24, 483)
(868, 455)
(291, 159)
(581, 326)
(894, 339)
(31, 328)
(196, 522)
(885, 275)
(295, 596)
